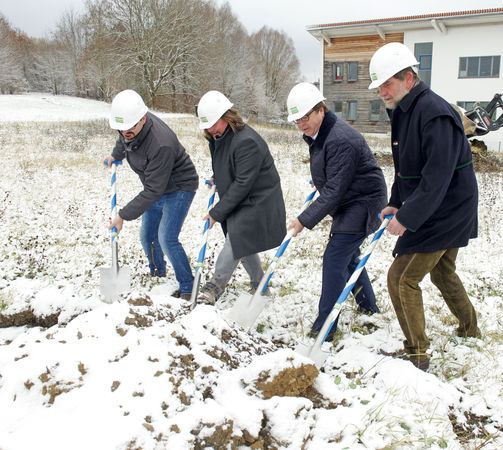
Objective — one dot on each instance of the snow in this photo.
(146, 372)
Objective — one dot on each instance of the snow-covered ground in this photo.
(146, 372)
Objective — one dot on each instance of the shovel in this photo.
(202, 251)
(248, 307)
(315, 352)
(115, 279)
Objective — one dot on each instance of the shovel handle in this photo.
(329, 321)
(116, 162)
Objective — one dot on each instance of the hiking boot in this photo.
(422, 362)
(157, 274)
(314, 334)
(461, 332)
(209, 294)
(185, 296)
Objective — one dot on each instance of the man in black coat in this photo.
(250, 209)
(352, 190)
(433, 198)
(169, 182)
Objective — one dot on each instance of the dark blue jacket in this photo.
(350, 183)
(435, 187)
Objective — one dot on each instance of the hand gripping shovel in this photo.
(315, 352)
(115, 279)
(202, 251)
(247, 307)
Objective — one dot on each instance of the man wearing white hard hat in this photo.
(433, 197)
(351, 190)
(169, 181)
(250, 209)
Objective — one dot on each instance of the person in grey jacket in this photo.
(251, 209)
(169, 181)
(352, 190)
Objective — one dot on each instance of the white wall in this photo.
(473, 40)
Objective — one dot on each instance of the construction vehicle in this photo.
(485, 119)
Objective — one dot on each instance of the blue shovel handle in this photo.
(117, 162)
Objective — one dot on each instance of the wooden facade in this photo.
(342, 91)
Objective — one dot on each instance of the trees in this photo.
(171, 51)
(12, 78)
(275, 54)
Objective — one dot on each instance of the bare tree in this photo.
(71, 34)
(50, 68)
(275, 55)
(156, 40)
(12, 77)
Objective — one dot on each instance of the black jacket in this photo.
(435, 187)
(350, 183)
(251, 207)
(160, 161)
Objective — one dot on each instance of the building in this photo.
(459, 55)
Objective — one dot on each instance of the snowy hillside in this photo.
(147, 372)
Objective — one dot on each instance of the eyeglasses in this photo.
(304, 118)
(133, 127)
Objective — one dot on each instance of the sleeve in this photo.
(248, 160)
(394, 199)
(119, 150)
(340, 168)
(157, 174)
(441, 143)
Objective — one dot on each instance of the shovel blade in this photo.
(313, 352)
(246, 309)
(113, 283)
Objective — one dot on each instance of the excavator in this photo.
(486, 119)
(480, 121)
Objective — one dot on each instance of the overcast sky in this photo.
(37, 18)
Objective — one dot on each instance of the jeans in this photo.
(404, 277)
(226, 264)
(160, 227)
(339, 262)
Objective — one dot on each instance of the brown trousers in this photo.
(404, 277)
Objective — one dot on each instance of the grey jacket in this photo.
(251, 207)
(160, 161)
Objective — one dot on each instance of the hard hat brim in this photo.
(121, 126)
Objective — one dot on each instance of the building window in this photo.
(375, 110)
(479, 67)
(352, 71)
(338, 71)
(351, 113)
(423, 52)
(338, 108)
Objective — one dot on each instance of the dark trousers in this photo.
(339, 262)
(404, 277)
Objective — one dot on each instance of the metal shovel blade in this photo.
(114, 282)
(313, 352)
(246, 309)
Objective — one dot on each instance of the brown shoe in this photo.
(185, 296)
(461, 332)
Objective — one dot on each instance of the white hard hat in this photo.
(301, 99)
(211, 107)
(127, 110)
(388, 61)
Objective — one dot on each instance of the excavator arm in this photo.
(486, 119)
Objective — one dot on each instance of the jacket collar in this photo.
(326, 125)
(410, 98)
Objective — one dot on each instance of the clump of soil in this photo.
(28, 318)
(289, 382)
